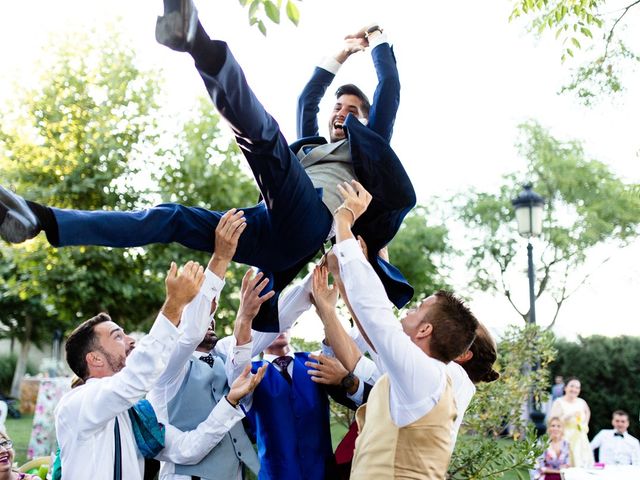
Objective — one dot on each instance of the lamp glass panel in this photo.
(524, 222)
(536, 221)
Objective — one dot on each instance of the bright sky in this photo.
(468, 79)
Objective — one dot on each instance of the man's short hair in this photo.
(454, 327)
(351, 89)
(620, 413)
(82, 341)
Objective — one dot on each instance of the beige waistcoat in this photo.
(420, 450)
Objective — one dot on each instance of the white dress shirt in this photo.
(463, 391)
(616, 450)
(85, 416)
(190, 448)
(416, 380)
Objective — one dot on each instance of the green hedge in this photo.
(609, 371)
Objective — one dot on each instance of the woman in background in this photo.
(6, 461)
(574, 414)
(556, 456)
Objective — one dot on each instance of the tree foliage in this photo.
(596, 24)
(421, 250)
(478, 453)
(586, 206)
(609, 372)
(86, 138)
(260, 10)
(204, 170)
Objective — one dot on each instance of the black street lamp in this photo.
(529, 207)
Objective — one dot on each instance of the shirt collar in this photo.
(268, 357)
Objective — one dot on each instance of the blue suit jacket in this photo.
(375, 164)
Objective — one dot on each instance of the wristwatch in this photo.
(371, 30)
(348, 381)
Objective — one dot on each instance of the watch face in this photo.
(348, 381)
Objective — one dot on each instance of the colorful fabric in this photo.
(149, 433)
(552, 460)
(43, 433)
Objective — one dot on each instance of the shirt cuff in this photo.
(348, 250)
(224, 414)
(377, 38)
(212, 285)
(330, 64)
(242, 354)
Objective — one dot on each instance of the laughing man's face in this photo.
(345, 105)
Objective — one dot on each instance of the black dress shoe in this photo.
(177, 29)
(17, 221)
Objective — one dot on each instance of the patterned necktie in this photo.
(283, 363)
(208, 359)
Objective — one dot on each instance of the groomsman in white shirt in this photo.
(617, 446)
(405, 427)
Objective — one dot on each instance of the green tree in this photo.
(586, 206)
(479, 453)
(596, 24)
(204, 170)
(71, 142)
(421, 251)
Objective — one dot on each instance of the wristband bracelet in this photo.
(229, 402)
(344, 207)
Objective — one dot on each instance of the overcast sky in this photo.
(469, 77)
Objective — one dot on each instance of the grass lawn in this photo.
(20, 432)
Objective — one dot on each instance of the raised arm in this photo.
(415, 377)
(314, 90)
(188, 448)
(386, 98)
(196, 315)
(324, 298)
(110, 396)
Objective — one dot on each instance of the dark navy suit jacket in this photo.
(375, 164)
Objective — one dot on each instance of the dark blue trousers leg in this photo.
(299, 221)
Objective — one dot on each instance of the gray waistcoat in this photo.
(327, 165)
(202, 389)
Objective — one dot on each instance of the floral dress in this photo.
(551, 459)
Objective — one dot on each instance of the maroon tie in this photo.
(283, 363)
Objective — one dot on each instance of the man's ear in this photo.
(94, 359)
(424, 330)
(464, 358)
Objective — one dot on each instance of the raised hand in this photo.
(355, 198)
(228, 231)
(327, 370)
(245, 384)
(182, 286)
(250, 299)
(324, 296)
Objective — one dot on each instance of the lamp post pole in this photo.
(532, 280)
(528, 206)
